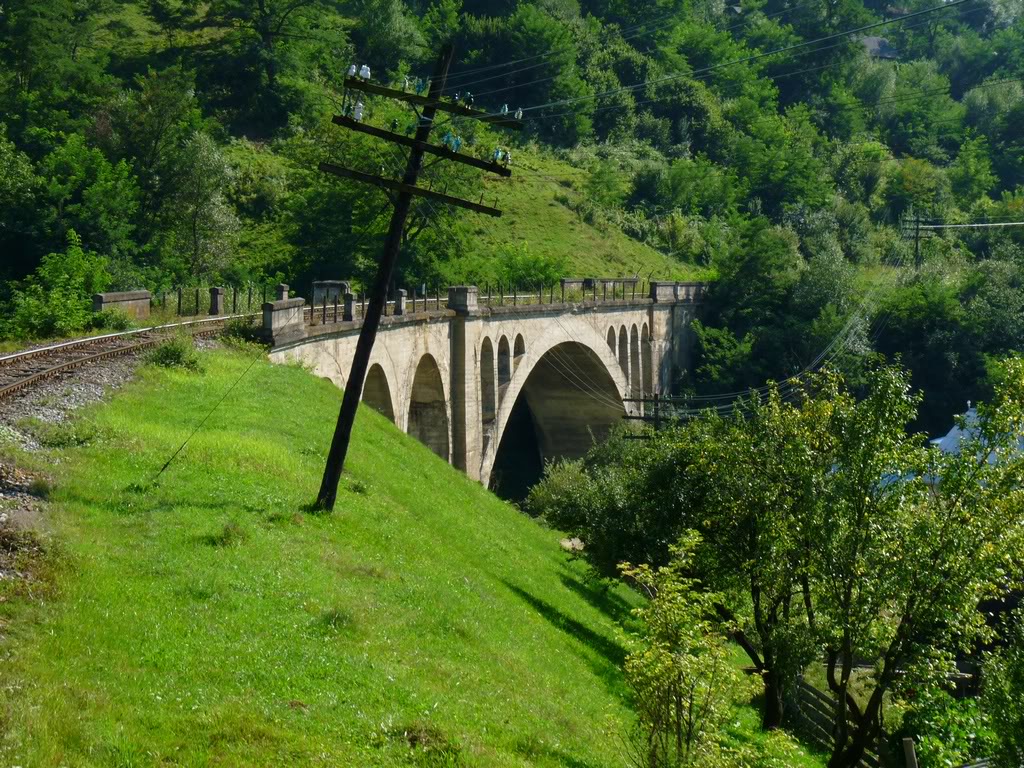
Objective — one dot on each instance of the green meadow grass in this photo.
(209, 619)
(533, 214)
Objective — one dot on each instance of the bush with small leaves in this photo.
(176, 352)
(111, 320)
(678, 668)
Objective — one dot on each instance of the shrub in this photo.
(55, 299)
(242, 331)
(678, 667)
(176, 352)
(111, 320)
(945, 731)
(64, 434)
(1003, 696)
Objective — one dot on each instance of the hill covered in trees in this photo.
(799, 151)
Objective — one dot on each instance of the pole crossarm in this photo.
(398, 138)
(423, 101)
(398, 186)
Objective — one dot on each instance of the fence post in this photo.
(909, 752)
(563, 291)
(248, 304)
(324, 320)
(197, 301)
(634, 291)
(595, 291)
(234, 300)
(515, 296)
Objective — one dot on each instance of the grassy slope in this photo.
(210, 620)
(531, 213)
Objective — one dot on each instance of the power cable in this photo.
(244, 373)
(752, 57)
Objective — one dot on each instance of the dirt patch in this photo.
(20, 508)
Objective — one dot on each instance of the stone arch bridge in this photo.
(494, 388)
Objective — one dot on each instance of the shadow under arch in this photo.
(568, 401)
(428, 411)
(377, 393)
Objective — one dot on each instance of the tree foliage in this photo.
(828, 528)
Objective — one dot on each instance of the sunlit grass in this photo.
(210, 618)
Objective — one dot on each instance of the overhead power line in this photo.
(753, 57)
(984, 225)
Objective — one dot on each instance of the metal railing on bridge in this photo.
(331, 302)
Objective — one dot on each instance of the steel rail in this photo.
(155, 337)
(75, 343)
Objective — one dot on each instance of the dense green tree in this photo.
(916, 186)
(19, 188)
(1003, 696)
(86, 193)
(148, 127)
(200, 226)
(269, 42)
(971, 174)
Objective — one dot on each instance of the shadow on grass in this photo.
(542, 754)
(605, 656)
(599, 594)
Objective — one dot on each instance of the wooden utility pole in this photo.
(917, 240)
(405, 190)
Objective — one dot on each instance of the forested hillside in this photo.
(800, 151)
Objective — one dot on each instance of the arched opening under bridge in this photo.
(567, 402)
(428, 412)
(377, 393)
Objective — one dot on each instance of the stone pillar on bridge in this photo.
(349, 308)
(217, 301)
(284, 321)
(400, 301)
(464, 392)
(282, 291)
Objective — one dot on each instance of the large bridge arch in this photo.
(568, 391)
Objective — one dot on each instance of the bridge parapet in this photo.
(287, 320)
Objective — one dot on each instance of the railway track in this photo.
(22, 370)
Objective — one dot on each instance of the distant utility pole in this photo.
(917, 240)
(406, 189)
